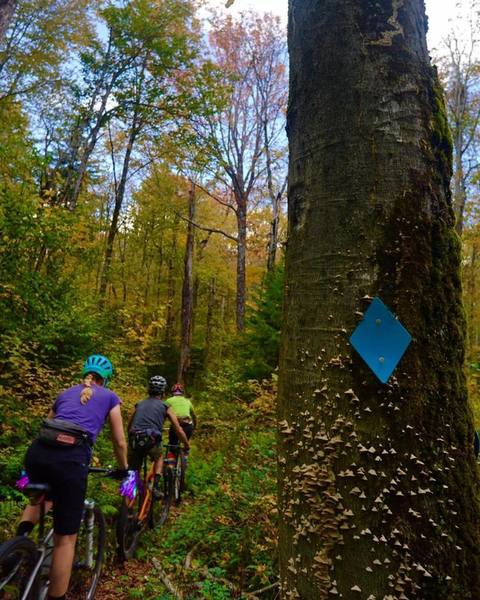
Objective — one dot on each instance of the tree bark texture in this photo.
(187, 291)
(7, 8)
(377, 483)
(241, 263)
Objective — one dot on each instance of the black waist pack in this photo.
(57, 432)
(145, 439)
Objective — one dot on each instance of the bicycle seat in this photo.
(36, 490)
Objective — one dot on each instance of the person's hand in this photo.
(118, 473)
(186, 446)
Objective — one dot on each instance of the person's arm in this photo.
(178, 430)
(130, 421)
(51, 414)
(118, 436)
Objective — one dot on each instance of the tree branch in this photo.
(210, 229)
(252, 595)
(176, 593)
(216, 198)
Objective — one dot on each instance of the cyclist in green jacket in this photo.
(183, 409)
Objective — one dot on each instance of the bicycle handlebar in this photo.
(111, 473)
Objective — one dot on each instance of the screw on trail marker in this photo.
(380, 339)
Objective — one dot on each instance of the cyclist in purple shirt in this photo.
(60, 457)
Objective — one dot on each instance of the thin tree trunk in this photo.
(472, 317)
(241, 263)
(209, 324)
(74, 179)
(273, 236)
(159, 271)
(275, 198)
(378, 486)
(187, 291)
(119, 195)
(170, 317)
(7, 8)
(459, 186)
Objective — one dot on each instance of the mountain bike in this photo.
(176, 462)
(25, 565)
(142, 511)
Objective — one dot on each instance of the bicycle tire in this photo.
(17, 560)
(179, 481)
(160, 508)
(127, 531)
(85, 578)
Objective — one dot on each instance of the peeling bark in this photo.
(378, 484)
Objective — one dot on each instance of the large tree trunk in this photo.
(377, 483)
(7, 8)
(187, 291)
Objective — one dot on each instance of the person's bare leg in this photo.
(32, 512)
(158, 465)
(62, 560)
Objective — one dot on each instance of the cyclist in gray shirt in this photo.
(145, 429)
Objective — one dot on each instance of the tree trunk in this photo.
(241, 263)
(119, 195)
(378, 484)
(472, 317)
(159, 270)
(187, 291)
(459, 184)
(7, 8)
(209, 324)
(273, 237)
(82, 149)
(170, 317)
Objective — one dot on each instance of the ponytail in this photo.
(87, 391)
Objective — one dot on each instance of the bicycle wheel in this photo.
(179, 481)
(17, 560)
(160, 508)
(128, 529)
(88, 560)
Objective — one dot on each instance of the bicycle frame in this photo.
(148, 480)
(45, 542)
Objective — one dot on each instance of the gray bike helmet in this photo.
(157, 385)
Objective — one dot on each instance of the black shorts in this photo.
(172, 436)
(66, 471)
(136, 456)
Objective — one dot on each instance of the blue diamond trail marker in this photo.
(380, 339)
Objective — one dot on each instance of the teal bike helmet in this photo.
(96, 363)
